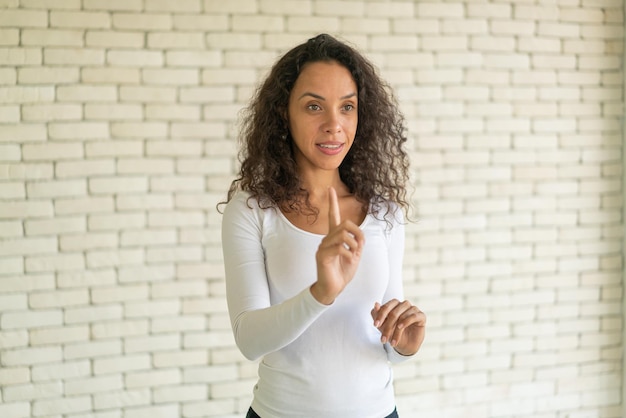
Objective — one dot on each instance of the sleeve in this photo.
(395, 249)
(258, 327)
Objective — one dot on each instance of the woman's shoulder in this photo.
(244, 203)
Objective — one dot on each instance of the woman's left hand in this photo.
(401, 324)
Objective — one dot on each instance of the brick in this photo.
(9, 36)
(152, 308)
(119, 184)
(152, 378)
(85, 93)
(114, 148)
(93, 385)
(183, 393)
(117, 329)
(114, 5)
(84, 168)
(179, 183)
(52, 37)
(508, 27)
(179, 289)
(9, 114)
(71, 19)
(73, 56)
(142, 21)
(152, 411)
(57, 262)
(113, 112)
(26, 171)
(14, 376)
(559, 30)
(26, 283)
(92, 349)
(89, 241)
(86, 278)
(51, 4)
(180, 358)
(172, 112)
(116, 221)
(31, 356)
(175, 40)
(24, 18)
(59, 335)
(130, 58)
(148, 94)
(312, 24)
(83, 205)
(62, 405)
(124, 364)
(15, 409)
(13, 339)
(52, 151)
(49, 112)
(22, 132)
(122, 399)
(119, 294)
(48, 75)
(179, 77)
(58, 188)
(59, 299)
(243, 6)
(216, 22)
(20, 56)
(153, 343)
(110, 75)
(227, 77)
(151, 201)
(194, 58)
(147, 237)
(10, 229)
(92, 314)
(25, 246)
(117, 39)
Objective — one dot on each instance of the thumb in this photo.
(334, 215)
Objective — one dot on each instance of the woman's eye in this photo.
(313, 107)
(348, 107)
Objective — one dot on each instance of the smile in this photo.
(330, 148)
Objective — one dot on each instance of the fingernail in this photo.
(383, 340)
(377, 323)
(393, 343)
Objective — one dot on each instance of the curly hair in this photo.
(375, 169)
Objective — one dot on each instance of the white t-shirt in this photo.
(318, 360)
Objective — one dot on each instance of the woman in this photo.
(313, 238)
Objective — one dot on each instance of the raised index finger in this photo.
(334, 216)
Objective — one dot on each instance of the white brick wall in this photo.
(117, 139)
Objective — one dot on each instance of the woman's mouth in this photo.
(330, 148)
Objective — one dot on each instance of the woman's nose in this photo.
(332, 124)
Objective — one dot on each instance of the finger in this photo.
(339, 240)
(409, 318)
(384, 310)
(334, 215)
(374, 313)
(390, 324)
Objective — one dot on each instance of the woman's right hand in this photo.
(338, 255)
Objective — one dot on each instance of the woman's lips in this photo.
(330, 148)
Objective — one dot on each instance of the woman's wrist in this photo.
(320, 296)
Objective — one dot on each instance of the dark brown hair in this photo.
(376, 167)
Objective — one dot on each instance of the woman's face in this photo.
(323, 115)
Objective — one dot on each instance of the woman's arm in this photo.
(402, 324)
(258, 327)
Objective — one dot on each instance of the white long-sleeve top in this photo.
(317, 360)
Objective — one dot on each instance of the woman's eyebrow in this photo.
(318, 97)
